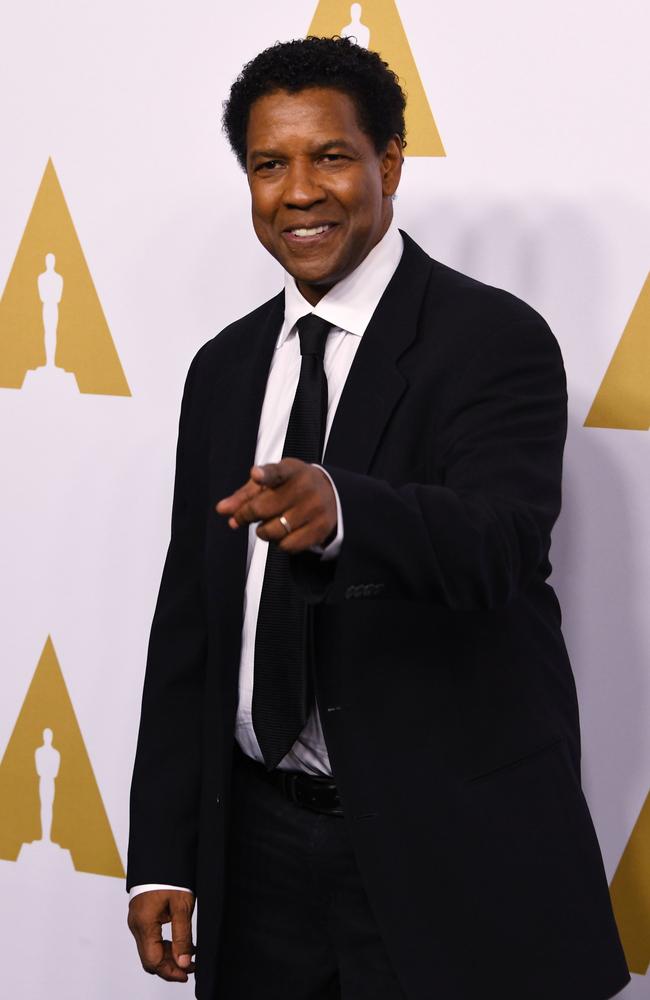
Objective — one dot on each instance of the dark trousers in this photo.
(298, 925)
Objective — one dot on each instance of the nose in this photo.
(303, 187)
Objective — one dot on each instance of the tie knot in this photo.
(313, 331)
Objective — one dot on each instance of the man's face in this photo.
(321, 194)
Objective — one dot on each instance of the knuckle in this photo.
(312, 512)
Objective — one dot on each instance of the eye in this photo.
(332, 157)
(268, 165)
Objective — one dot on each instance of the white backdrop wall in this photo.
(543, 111)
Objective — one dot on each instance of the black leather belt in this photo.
(309, 791)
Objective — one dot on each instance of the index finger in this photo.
(149, 941)
(228, 505)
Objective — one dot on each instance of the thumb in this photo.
(274, 474)
(182, 946)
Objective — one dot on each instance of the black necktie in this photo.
(282, 689)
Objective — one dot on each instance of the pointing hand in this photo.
(293, 501)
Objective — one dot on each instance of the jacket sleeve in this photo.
(474, 534)
(166, 776)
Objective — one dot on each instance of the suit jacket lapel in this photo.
(251, 385)
(375, 384)
(239, 397)
(238, 401)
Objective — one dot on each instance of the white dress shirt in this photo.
(349, 307)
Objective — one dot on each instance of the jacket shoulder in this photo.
(469, 297)
(465, 317)
(234, 342)
(464, 297)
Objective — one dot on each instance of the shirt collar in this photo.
(350, 304)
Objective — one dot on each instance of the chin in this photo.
(319, 272)
(317, 278)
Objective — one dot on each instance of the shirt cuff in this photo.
(137, 889)
(332, 550)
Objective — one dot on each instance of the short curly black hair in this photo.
(319, 62)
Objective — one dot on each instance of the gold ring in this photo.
(285, 524)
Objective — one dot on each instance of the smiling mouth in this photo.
(304, 234)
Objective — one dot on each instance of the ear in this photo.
(391, 166)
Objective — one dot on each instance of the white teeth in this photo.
(310, 232)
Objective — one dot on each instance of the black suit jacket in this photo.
(442, 680)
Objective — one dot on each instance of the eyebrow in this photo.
(274, 154)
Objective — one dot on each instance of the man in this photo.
(359, 743)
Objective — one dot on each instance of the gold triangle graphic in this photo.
(387, 36)
(79, 824)
(84, 345)
(630, 891)
(623, 400)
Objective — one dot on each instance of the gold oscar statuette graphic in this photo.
(51, 810)
(630, 891)
(623, 400)
(376, 25)
(52, 325)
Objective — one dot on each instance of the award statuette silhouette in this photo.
(50, 291)
(355, 29)
(50, 799)
(65, 303)
(45, 852)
